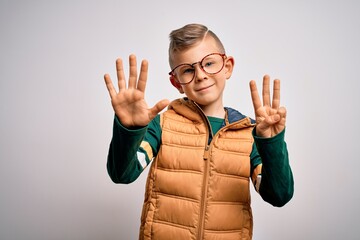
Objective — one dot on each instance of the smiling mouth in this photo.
(204, 88)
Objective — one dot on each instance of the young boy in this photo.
(203, 154)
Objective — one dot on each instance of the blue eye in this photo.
(188, 71)
(208, 64)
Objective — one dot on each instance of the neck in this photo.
(214, 111)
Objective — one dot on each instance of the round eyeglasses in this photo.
(211, 64)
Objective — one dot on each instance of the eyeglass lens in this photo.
(210, 64)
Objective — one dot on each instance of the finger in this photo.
(120, 74)
(266, 90)
(109, 85)
(255, 95)
(276, 94)
(270, 120)
(282, 112)
(158, 107)
(133, 71)
(143, 76)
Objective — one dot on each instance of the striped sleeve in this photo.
(145, 154)
(131, 151)
(256, 177)
(256, 168)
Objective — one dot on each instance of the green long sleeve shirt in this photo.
(126, 159)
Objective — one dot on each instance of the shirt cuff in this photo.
(262, 140)
(123, 129)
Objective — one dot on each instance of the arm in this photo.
(132, 150)
(133, 115)
(272, 175)
(270, 157)
(123, 165)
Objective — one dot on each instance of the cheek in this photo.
(221, 81)
(226, 74)
(186, 89)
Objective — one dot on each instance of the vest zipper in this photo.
(206, 174)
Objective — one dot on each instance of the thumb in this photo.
(158, 107)
(275, 118)
(270, 120)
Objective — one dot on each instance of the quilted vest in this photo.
(196, 189)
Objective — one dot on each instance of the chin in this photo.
(205, 99)
(203, 102)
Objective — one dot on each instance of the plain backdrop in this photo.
(56, 115)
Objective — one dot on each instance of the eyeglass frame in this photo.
(171, 73)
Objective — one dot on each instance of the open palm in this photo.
(129, 103)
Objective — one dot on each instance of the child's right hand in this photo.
(129, 103)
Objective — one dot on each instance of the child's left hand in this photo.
(270, 117)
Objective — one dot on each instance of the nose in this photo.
(199, 73)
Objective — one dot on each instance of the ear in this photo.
(176, 84)
(229, 66)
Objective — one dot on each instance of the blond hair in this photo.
(187, 36)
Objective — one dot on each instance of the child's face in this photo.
(205, 89)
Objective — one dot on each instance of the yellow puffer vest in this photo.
(195, 190)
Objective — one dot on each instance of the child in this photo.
(203, 154)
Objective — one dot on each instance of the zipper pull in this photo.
(206, 153)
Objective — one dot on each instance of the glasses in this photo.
(211, 64)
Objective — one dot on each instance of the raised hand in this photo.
(270, 117)
(129, 103)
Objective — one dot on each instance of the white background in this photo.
(56, 116)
